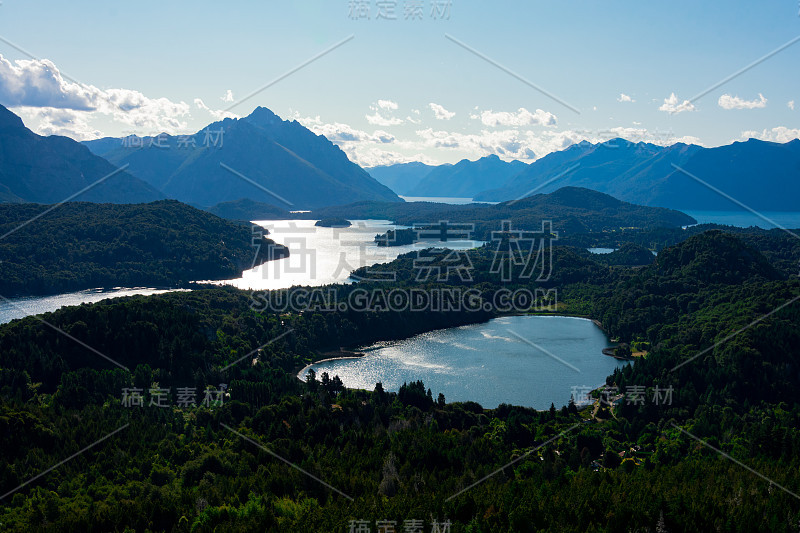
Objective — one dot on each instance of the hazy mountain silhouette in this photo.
(762, 175)
(402, 177)
(52, 169)
(260, 157)
(467, 178)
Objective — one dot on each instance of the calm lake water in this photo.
(320, 256)
(33, 305)
(745, 219)
(522, 360)
(327, 255)
(442, 200)
(601, 250)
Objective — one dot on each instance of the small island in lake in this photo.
(333, 223)
(396, 237)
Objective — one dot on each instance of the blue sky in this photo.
(399, 89)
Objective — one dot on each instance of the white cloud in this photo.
(672, 106)
(507, 144)
(336, 132)
(38, 84)
(54, 121)
(218, 114)
(780, 134)
(388, 105)
(385, 119)
(382, 148)
(522, 117)
(364, 148)
(625, 98)
(790, 104)
(228, 96)
(440, 112)
(377, 119)
(727, 101)
(527, 145)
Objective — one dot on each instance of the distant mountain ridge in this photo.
(467, 178)
(52, 169)
(401, 177)
(260, 157)
(760, 174)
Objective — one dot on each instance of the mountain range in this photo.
(763, 175)
(52, 169)
(467, 178)
(260, 157)
(267, 160)
(462, 180)
(401, 177)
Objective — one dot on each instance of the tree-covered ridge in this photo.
(715, 257)
(408, 455)
(247, 209)
(572, 210)
(84, 245)
(628, 254)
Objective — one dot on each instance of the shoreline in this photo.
(358, 354)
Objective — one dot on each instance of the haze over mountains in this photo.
(402, 177)
(52, 169)
(467, 178)
(763, 175)
(266, 160)
(260, 157)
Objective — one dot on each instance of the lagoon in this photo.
(531, 361)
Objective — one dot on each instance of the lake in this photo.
(12, 308)
(453, 200)
(531, 361)
(321, 256)
(601, 250)
(745, 219)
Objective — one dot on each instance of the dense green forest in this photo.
(79, 245)
(410, 455)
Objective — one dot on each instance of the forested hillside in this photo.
(80, 245)
(379, 455)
